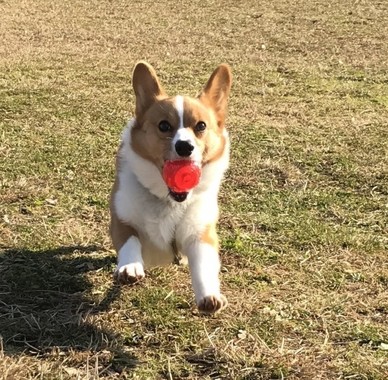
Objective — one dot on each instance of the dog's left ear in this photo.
(216, 91)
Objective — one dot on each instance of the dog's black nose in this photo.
(184, 148)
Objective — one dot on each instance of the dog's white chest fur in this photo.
(152, 216)
(142, 201)
(145, 205)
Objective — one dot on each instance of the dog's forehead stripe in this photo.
(179, 105)
(182, 134)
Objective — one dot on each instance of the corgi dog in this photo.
(150, 222)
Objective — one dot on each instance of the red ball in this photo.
(181, 175)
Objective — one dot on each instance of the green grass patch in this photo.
(303, 221)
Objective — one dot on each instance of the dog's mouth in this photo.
(178, 197)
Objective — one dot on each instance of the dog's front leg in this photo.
(204, 266)
(130, 261)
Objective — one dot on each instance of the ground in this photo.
(304, 206)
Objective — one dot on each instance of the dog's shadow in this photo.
(43, 301)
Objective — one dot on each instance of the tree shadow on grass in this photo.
(43, 302)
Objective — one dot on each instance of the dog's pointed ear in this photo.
(216, 91)
(146, 86)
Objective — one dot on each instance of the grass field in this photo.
(304, 205)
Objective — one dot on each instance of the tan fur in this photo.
(153, 145)
(146, 86)
(153, 106)
(210, 236)
(216, 92)
(147, 140)
(120, 232)
(212, 140)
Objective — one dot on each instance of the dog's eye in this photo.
(200, 127)
(165, 126)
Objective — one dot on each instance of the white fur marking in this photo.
(184, 134)
(180, 108)
(130, 258)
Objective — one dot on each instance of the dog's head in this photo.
(180, 127)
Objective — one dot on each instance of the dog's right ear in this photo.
(216, 91)
(146, 86)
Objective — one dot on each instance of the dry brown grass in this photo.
(304, 206)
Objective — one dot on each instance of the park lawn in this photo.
(304, 206)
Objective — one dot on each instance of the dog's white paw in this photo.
(212, 304)
(129, 273)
